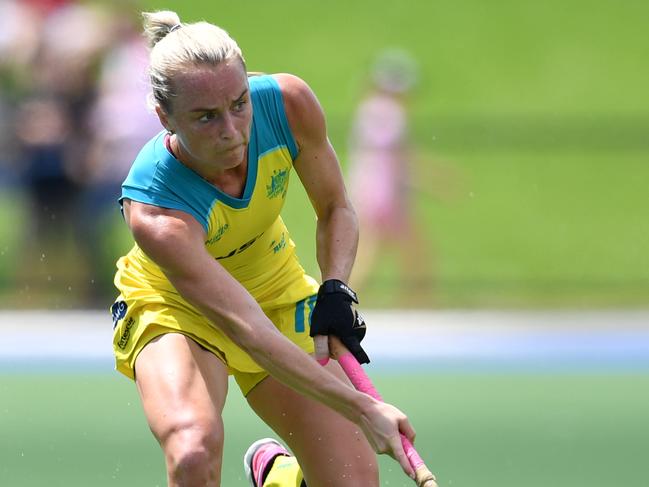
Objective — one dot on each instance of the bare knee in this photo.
(193, 455)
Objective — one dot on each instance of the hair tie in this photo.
(174, 27)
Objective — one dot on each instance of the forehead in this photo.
(201, 86)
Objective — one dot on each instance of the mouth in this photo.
(232, 149)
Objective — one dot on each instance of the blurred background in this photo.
(498, 156)
(526, 129)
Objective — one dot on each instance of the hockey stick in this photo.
(354, 371)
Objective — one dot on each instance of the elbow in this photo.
(340, 210)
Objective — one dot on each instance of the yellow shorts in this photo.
(137, 322)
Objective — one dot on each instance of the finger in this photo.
(406, 429)
(354, 346)
(321, 343)
(400, 456)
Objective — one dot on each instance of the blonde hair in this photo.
(175, 45)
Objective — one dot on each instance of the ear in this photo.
(164, 118)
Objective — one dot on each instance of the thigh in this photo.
(331, 450)
(182, 386)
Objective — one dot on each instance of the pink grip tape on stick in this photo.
(423, 476)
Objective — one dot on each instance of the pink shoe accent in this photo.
(263, 457)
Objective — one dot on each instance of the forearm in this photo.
(239, 316)
(289, 364)
(337, 241)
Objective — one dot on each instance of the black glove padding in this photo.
(334, 314)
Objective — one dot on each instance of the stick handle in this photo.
(360, 380)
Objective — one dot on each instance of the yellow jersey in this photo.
(246, 235)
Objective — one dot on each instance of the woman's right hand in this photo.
(382, 424)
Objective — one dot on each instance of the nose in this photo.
(228, 129)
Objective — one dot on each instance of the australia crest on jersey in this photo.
(278, 184)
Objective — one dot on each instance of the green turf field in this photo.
(500, 430)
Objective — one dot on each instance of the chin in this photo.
(235, 153)
(229, 159)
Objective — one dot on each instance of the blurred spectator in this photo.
(381, 158)
(53, 135)
(73, 109)
(19, 38)
(121, 123)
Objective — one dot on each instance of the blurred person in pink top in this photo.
(381, 156)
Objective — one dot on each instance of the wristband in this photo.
(334, 286)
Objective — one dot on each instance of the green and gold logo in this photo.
(277, 246)
(219, 233)
(278, 184)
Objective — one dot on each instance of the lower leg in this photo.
(331, 450)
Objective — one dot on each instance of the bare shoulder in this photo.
(153, 225)
(303, 110)
(293, 87)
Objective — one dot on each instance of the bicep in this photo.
(171, 238)
(317, 163)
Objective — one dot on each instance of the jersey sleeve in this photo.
(272, 123)
(156, 180)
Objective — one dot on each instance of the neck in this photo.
(213, 175)
(179, 153)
